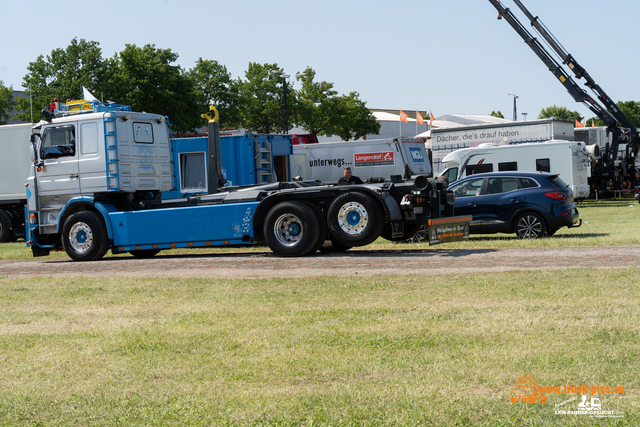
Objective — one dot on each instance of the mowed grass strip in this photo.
(374, 351)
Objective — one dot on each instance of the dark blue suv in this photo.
(530, 204)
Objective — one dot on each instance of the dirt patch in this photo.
(350, 263)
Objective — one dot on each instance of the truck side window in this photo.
(59, 141)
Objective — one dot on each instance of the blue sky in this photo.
(440, 55)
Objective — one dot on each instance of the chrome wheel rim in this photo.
(288, 229)
(353, 218)
(81, 237)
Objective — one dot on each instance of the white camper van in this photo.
(326, 161)
(568, 158)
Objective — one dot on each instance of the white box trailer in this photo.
(570, 159)
(326, 161)
(446, 140)
(14, 171)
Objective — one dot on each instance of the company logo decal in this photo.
(373, 159)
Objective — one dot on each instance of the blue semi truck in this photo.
(99, 174)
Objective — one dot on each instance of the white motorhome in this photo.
(326, 161)
(570, 159)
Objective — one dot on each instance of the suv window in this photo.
(528, 182)
(558, 182)
(467, 188)
(501, 185)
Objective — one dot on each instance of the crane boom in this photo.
(610, 114)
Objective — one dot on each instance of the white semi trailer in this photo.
(14, 170)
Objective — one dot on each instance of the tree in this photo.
(313, 103)
(146, 79)
(631, 109)
(214, 86)
(321, 112)
(61, 75)
(261, 99)
(350, 118)
(497, 114)
(6, 103)
(561, 113)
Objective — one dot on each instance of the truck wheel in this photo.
(409, 231)
(355, 219)
(324, 229)
(84, 236)
(530, 225)
(6, 233)
(145, 253)
(291, 229)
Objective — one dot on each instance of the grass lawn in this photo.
(387, 350)
(375, 351)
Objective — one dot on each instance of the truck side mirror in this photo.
(34, 151)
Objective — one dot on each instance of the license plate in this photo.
(418, 210)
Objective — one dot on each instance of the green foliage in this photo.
(147, 80)
(561, 113)
(313, 102)
(497, 114)
(61, 75)
(322, 112)
(631, 109)
(261, 98)
(214, 86)
(6, 103)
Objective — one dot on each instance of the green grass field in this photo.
(376, 351)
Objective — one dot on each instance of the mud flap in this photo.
(397, 228)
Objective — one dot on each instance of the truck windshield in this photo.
(58, 141)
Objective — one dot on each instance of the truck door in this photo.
(91, 164)
(59, 172)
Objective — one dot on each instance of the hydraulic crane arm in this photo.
(579, 94)
(577, 69)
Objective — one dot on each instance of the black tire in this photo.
(355, 219)
(324, 228)
(409, 231)
(530, 225)
(84, 236)
(6, 231)
(145, 253)
(291, 229)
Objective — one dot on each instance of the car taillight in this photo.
(556, 195)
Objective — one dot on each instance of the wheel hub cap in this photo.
(288, 229)
(353, 218)
(81, 237)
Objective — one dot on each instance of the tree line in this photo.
(148, 79)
